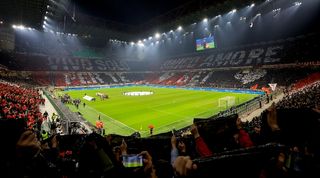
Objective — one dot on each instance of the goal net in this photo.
(227, 102)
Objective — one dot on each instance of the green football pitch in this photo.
(165, 109)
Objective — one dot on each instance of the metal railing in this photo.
(66, 115)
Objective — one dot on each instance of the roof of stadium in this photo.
(118, 19)
(131, 17)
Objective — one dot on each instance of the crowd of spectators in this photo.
(21, 103)
(306, 97)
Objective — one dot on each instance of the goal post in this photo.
(227, 102)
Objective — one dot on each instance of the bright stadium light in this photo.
(252, 5)
(20, 27)
(157, 35)
(205, 20)
(171, 31)
(233, 11)
(45, 17)
(297, 3)
(150, 38)
(132, 43)
(179, 28)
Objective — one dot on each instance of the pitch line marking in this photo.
(118, 122)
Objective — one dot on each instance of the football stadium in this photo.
(160, 89)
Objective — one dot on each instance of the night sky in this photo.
(131, 12)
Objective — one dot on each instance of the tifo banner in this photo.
(273, 86)
(254, 87)
(265, 89)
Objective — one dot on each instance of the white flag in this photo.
(273, 86)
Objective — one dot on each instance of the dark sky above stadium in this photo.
(131, 12)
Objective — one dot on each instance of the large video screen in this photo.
(205, 43)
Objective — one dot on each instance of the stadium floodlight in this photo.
(144, 40)
(20, 27)
(229, 22)
(48, 6)
(45, 17)
(297, 3)
(252, 5)
(171, 31)
(205, 20)
(132, 43)
(233, 11)
(157, 35)
(150, 38)
(1, 22)
(179, 28)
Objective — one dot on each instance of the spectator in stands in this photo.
(183, 166)
(241, 136)
(201, 147)
(275, 167)
(177, 148)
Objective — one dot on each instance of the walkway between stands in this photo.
(47, 106)
(260, 110)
